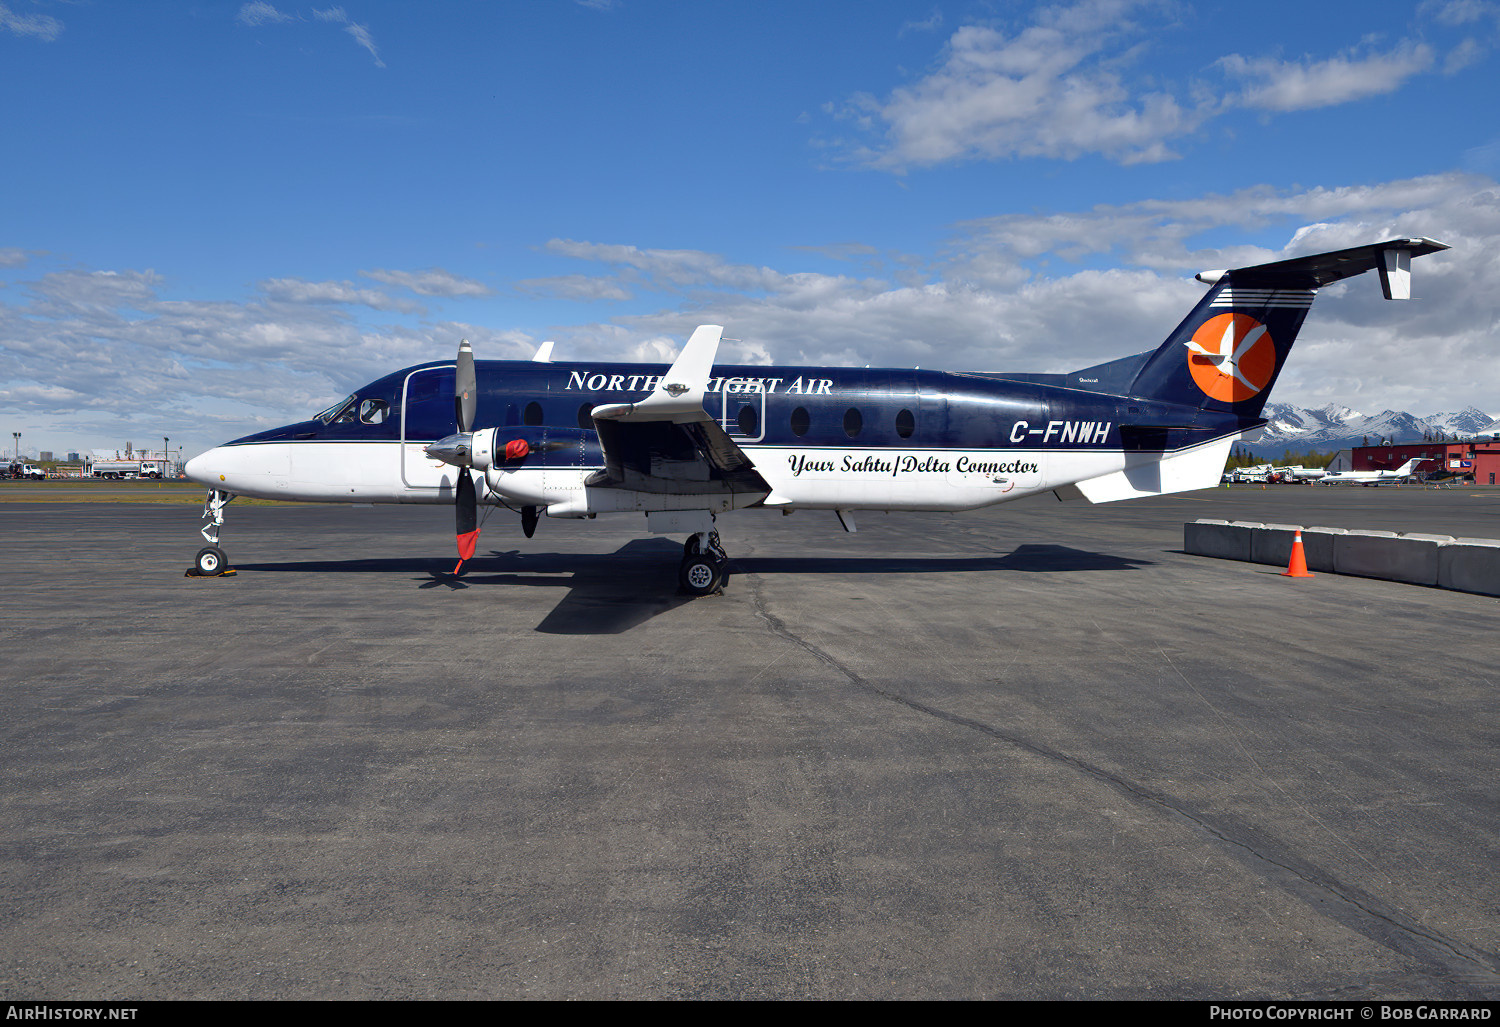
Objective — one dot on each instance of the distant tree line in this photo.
(1241, 456)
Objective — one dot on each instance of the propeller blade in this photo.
(465, 387)
(466, 518)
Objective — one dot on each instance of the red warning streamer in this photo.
(466, 545)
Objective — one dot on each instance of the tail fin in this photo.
(1227, 354)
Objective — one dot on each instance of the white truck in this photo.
(20, 470)
(117, 469)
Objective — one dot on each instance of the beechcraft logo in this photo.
(1232, 357)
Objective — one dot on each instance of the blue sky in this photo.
(221, 216)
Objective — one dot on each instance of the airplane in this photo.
(1401, 473)
(684, 444)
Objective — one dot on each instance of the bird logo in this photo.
(1231, 357)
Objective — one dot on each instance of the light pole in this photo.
(17, 436)
(164, 457)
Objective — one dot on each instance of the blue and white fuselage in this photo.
(685, 443)
(821, 438)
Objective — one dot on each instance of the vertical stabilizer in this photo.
(1227, 354)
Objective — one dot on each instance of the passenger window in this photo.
(905, 424)
(853, 422)
(533, 415)
(749, 420)
(374, 411)
(800, 422)
(586, 416)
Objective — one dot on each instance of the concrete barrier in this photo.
(1223, 540)
(1272, 543)
(1384, 554)
(1461, 564)
(1317, 546)
(1470, 565)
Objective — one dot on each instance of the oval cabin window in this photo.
(749, 420)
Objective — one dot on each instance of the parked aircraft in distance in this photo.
(686, 443)
(1401, 473)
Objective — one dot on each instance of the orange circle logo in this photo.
(1232, 357)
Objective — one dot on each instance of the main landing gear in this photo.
(703, 570)
(211, 561)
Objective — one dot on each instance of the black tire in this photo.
(211, 562)
(690, 547)
(700, 575)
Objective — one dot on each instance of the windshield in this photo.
(340, 411)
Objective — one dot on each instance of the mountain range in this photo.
(1335, 427)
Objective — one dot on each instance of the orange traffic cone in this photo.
(1297, 566)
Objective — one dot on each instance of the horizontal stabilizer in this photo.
(1391, 258)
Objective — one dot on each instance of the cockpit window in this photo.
(343, 410)
(373, 411)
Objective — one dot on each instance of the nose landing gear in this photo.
(211, 561)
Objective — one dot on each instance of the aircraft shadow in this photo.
(1028, 558)
(606, 595)
(611, 594)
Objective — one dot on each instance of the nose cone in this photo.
(200, 468)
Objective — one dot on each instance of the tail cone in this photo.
(1297, 566)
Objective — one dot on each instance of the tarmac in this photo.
(1033, 752)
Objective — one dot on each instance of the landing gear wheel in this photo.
(529, 517)
(210, 562)
(701, 575)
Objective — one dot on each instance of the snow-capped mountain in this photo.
(1340, 427)
(1465, 423)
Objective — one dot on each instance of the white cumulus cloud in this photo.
(1078, 80)
(1277, 85)
(431, 282)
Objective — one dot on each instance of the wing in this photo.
(667, 443)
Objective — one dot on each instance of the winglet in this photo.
(680, 393)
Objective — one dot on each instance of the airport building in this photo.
(1477, 460)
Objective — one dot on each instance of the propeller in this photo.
(458, 451)
(465, 398)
